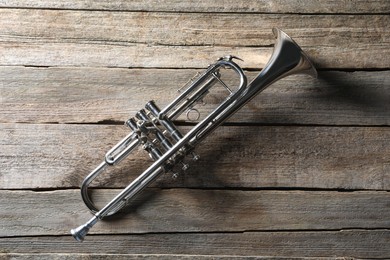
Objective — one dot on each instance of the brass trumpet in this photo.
(154, 128)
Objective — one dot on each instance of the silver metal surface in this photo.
(156, 132)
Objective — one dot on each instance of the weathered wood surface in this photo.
(241, 6)
(345, 243)
(72, 256)
(60, 156)
(190, 29)
(268, 184)
(142, 55)
(91, 95)
(193, 210)
(101, 39)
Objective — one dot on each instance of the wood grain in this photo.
(190, 29)
(301, 172)
(347, 244)
(72, 256)
(60, 156)
(186, 40)
(91, 95)
(241, 6)
(185, 210)
(181, 57)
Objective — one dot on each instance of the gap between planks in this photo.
(239, 6)
(359, 244)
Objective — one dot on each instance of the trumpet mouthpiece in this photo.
(80, 232)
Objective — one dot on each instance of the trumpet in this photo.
(155, 131)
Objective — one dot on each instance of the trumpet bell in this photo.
(289, 56)
(287, 59)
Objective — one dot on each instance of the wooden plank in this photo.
(28, 213)
(93, 55)
(188, 29)
(71, 256)
(90, 95)
(347, 244)
(51, 156)
(160, 56)
(242, 6)
(123, 39)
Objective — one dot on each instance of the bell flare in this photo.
(292, 55)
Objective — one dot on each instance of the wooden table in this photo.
(301, 171)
